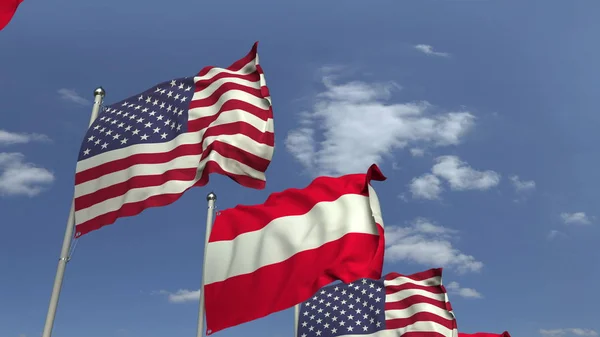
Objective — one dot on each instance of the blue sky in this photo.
(482, 114)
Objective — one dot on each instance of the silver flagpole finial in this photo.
(99, 91)
(211, 196)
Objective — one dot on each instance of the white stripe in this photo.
(435, 281)
(213, 86)
(286, 236)
(261, 150)
(418, 326)
(416, 308)
(249, 68)
(374, 202)
(211, 110)
(406, 293)
(170, 187)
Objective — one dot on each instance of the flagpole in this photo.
(210, 198)
(66, 246)
(296, 318)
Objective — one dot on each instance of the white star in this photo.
(109, 132)
(144, 136)
(137, 107)
(162, 105)
(153, 113)
(318, 333)
(160, 117)
(148, 99)
(183, 99)
(96, 127)
(188, 88)
(116, 136)
(135, 132)
(334, 330)
(170, 93)
(97, 142)
(141, 97)
(311, 328)
(306, 313)
(86, 152)
(319, 321)
(114, 121)
(149, 124)
(371, 285)
(342, 323)
(121, 125)
(167, 122)
(358, 322)
(145, 110)
(363, 291)
(334, 318)
(124, 103)
(163, 136)
(377, 299)
(304, 324)
(173, 83)
(124, 141)
(312, 317)
(169, 108)
(163, 91)
(378, 324)
(105, 145)
(178, 127)
(177, 96)
(350, 328)
(155, 102)
(365, 328)
(180, 85)
(364, 281)
(350, 317)
(156, 130)
(91, 138)
(139, 120)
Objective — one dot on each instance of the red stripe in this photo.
(288, 203)
(131, 209)
(420, 317)
(484, 334)
(412, 300)
(267, 138)
(224, 88)
(232, 104)
(409, 286)
(421, 276)
(203, 84)
(7, 11)
(185, 174)
(239, 64)
(279, 286)
(423, 334)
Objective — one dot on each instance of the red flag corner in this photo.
(7, 11)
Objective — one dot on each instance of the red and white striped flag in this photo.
(147, 150)
(266, 258)
(484, 334)
(396, 305)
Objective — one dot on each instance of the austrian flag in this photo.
(266, 258)
(147, 150)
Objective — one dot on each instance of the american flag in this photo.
(396, 305)
(147, 150)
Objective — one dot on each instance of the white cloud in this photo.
(553, 234)
(352, 125)
(568, 332)
(427, 244)
(11, 138)
(454, 288)
(181, 295)
(427, 49)
(577, 218)
(461, 176)
(522, 185)
(426, 186)
(72, 96)
(417, 152)
(18, 177)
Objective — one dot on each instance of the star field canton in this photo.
(355, 308)
(157, 115)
